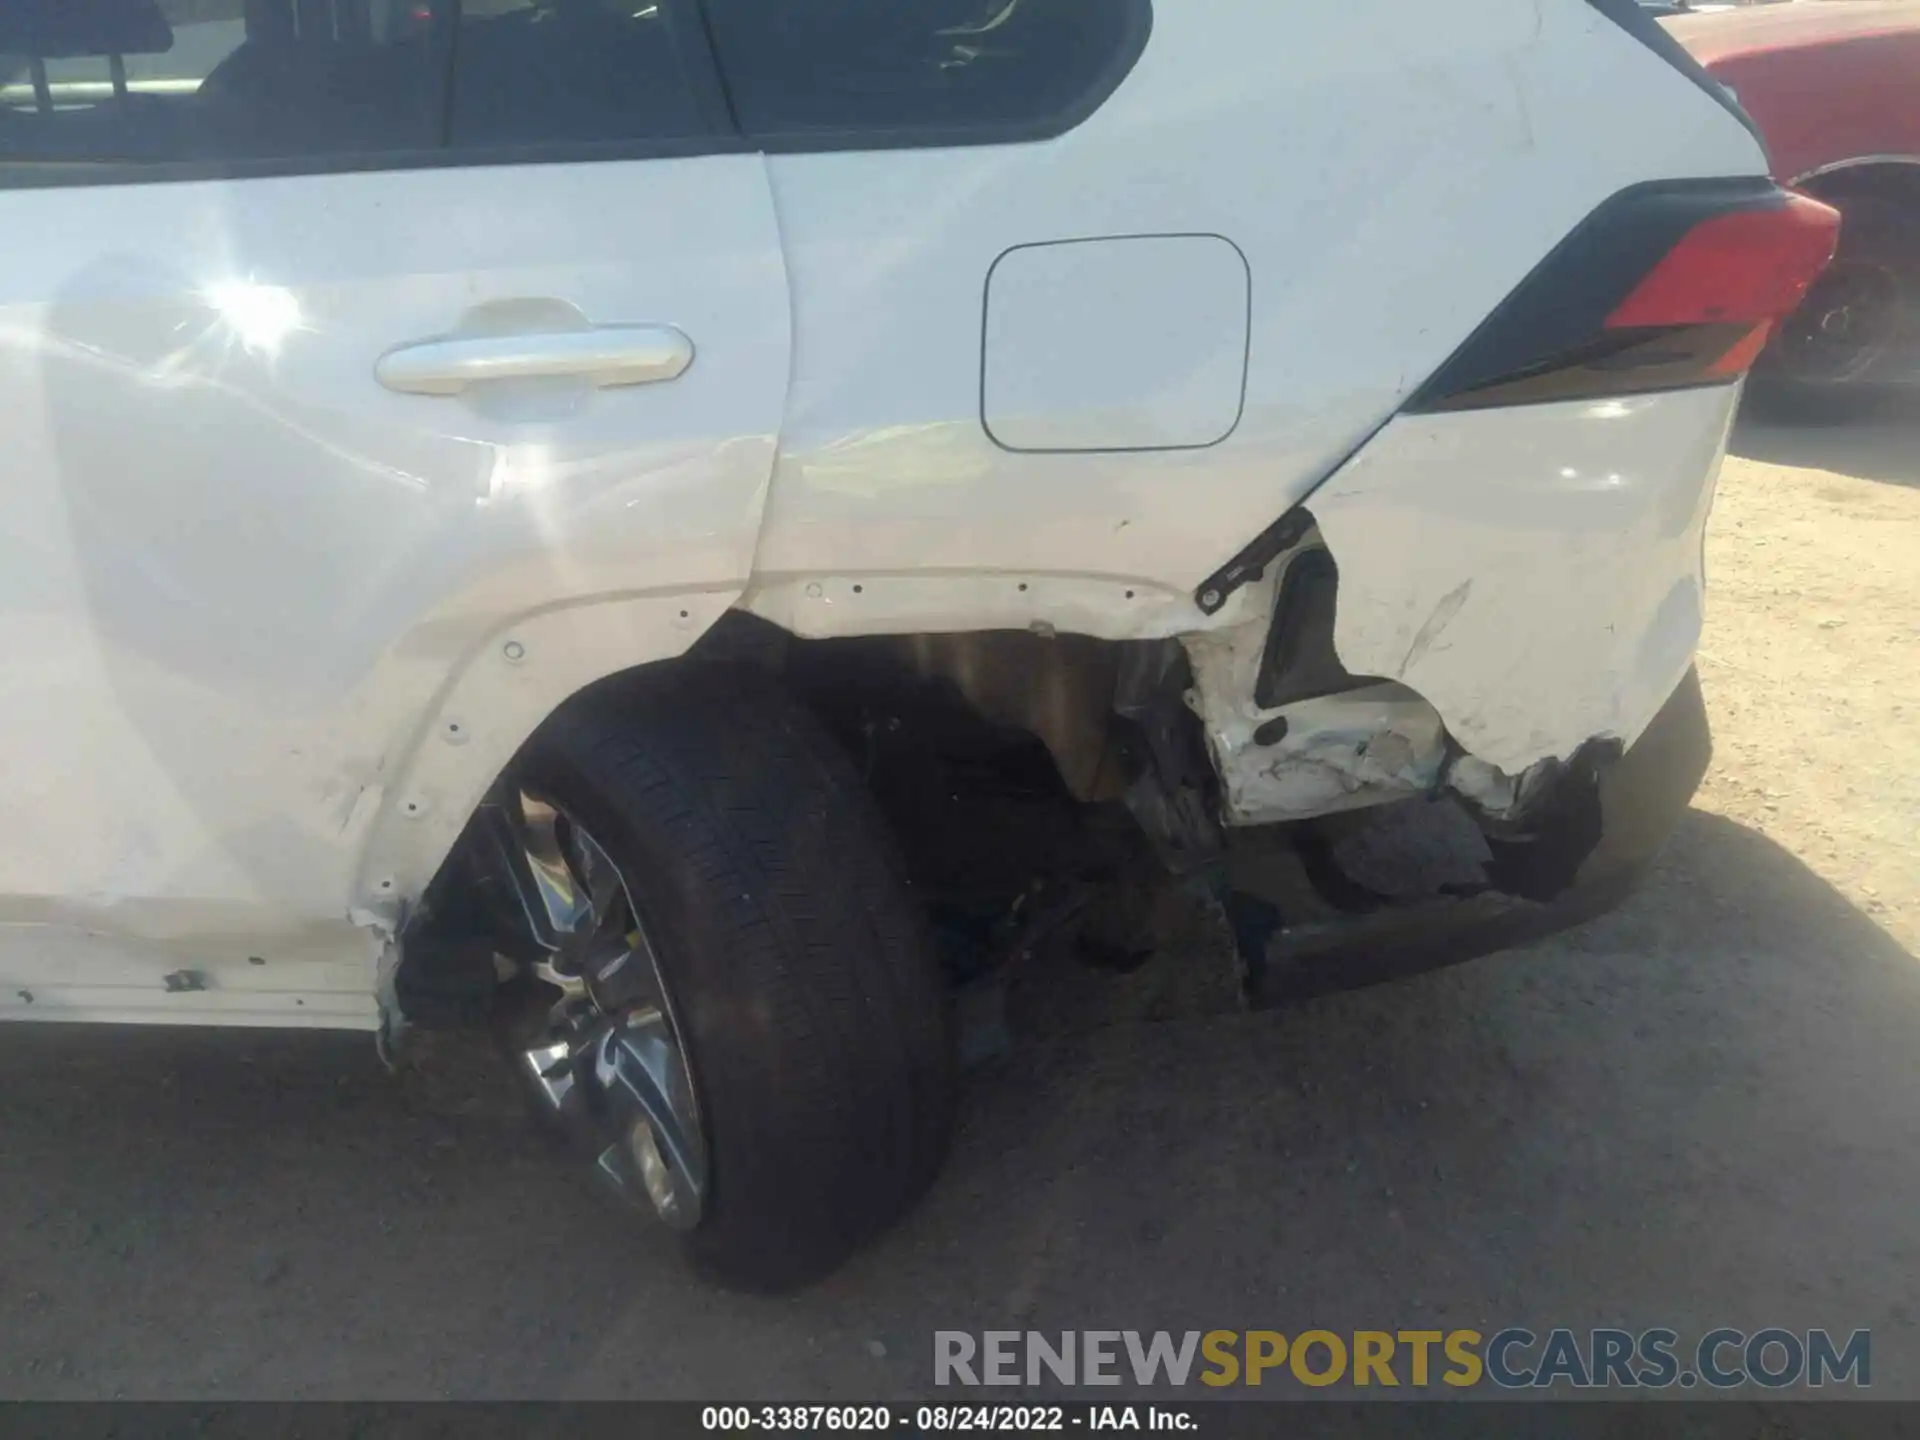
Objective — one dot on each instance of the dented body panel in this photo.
(1526, 582)
(1371, 745)
(1536, 574)
(272, 629)
(256, 608)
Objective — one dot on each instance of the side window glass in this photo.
(560, 72)
(922, 71)
(217, 80)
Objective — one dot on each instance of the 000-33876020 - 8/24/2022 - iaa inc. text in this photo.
(945, 1418)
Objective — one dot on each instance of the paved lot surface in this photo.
(1704, 1109)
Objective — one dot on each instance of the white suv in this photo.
(443, 440)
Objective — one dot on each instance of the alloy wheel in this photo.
(610, 1061)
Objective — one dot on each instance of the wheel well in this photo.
(1891, 181)
(996, 756)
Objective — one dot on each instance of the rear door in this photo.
(335, 335)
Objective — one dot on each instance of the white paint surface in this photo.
(1536, 573)
(253, 604)
(1391, 171)
(242, 583)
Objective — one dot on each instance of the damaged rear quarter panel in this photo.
(1534, 573)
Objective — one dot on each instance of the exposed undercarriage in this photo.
(1097, 799)
(1039, 782)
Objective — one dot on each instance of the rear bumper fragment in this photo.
(1639, 799)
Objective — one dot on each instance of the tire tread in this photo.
(819, 1038)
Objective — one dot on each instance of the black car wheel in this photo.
(1832, 358)
(741, 1017)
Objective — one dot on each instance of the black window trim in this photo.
(705, 80)
(60, 174)
(1136, 32)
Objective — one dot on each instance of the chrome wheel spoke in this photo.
(567, 905)
(526, 833)
(641, 1071)
(551, 1067)
(597, 879)
(571, 987)
(611, 1063)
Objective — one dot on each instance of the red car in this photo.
(1834, 86)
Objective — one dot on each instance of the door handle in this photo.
(603, 356)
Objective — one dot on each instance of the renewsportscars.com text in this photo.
(1511, 1359)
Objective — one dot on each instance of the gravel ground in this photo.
(1702, 1110)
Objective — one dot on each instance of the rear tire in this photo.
(812, 1011)
(1833, 359)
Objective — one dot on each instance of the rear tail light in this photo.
(1663, 288)
(1750, 267)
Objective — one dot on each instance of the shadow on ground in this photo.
(1884, 446)
(1701, 1110)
